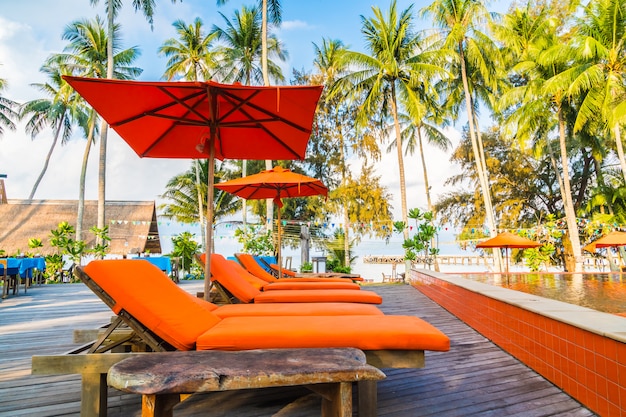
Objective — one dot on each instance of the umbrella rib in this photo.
(257, 123)
(274, 117)
(154, 112)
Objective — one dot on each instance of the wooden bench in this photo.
(166, 378)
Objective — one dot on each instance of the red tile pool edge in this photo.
(589, 367)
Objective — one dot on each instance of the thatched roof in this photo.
(132, 224)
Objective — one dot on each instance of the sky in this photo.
(31, 30)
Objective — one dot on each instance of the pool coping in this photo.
(604, 324)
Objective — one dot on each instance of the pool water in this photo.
(600, 291)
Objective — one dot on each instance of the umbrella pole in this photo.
(209, 220)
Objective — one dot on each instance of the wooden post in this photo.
(305, 244)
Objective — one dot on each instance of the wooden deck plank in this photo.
(475, 378)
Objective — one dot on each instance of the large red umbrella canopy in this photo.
(177, 119)
(274, 183)
(611, 240)
(199, 120)
(508, 240)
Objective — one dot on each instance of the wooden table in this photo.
(166, 378)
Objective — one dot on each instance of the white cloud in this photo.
(296, 25)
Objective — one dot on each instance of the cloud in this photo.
(296, 25)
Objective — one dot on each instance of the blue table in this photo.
(19, 268)
(161, 262)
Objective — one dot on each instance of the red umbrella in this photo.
(205, 120)
(508, 240)
(274, 183)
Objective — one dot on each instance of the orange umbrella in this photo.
(508, 240)
(205, 120)
(274, 183)
(611, 240)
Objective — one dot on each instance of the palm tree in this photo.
(113, 7)
(240, 54)
(540, 100)
(8, 113)
(86, 55)
(240, 50)
(334, 128)
(387, 77)
(189, 57)
(600, 46)
(270, 9)
(460, 23)
(57, 112)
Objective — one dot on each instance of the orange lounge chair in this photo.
(288, 284)
(257, 270)
(166, 318)
(266, 282)
(227, 276)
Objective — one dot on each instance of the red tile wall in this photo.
(589, 367)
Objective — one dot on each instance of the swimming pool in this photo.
(600, 291)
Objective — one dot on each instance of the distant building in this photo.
(132, 224)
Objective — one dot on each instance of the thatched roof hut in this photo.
(132, 224)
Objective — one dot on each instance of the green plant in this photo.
(186, 248)
(101, 248)
(306, 267)
(536, 257)
(424, 233)
(337, 250)
(254, 241)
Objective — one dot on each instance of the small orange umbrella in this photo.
(611, 240)
(274, 183)
(508, 240)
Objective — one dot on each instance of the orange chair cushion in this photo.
(223, 272)
(286, 272)
(148, 295)
(298, 309)
(254, 268)
(361, 332)
(288, 284)
(319, 296)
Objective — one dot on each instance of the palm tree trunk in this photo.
(102, 176)
(405, 217)
(83, 177)
(47, 161)
(570, 215)
(266, 78)
(200, 205)
(425, 170)
(427, 186)
(620, 149)
(104, 128)
(346, 235)
(472, 131)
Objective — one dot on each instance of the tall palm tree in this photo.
(270, 10)
(240, 55)
(113, 7)
(190, 58)
(540, 100)
(58, 112)
(460, 23)
(386, 76)
(8, 110)
(86, 55)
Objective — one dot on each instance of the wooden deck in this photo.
(475, 378)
